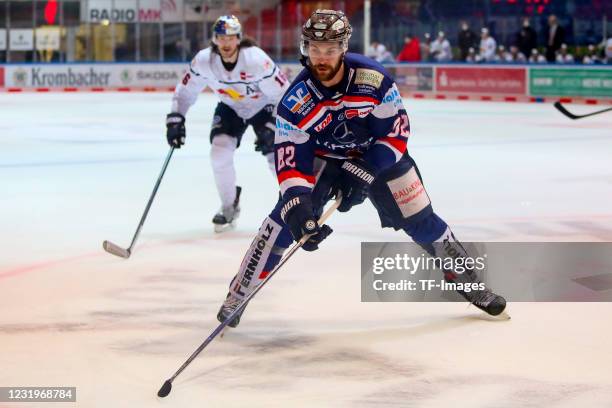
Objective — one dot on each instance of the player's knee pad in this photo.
(400, 197)
(222, 150)
(264, 253)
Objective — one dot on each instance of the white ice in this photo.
(76, 169)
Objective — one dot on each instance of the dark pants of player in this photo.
(227, 122)
(225, 136)
(397, 194)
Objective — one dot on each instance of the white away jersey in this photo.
(254, 82)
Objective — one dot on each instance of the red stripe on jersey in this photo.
(285, 175)
(264, 274)
(396, 142)
(322, 104)
(315, 111)
(360, 99)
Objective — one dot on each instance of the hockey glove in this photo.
(299, 217)
(357, 177)
(175, 129)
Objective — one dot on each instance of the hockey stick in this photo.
(570, 115)
(125, 253)
(167, 386)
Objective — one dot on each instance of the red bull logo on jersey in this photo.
(232, 93)
(297, 97)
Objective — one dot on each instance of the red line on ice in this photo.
(46, 264)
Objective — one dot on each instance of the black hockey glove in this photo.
(264, 132)
(299, 217)
(357, 177)
(175, 129)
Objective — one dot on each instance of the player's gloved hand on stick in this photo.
(299, 217)
(357, 177)
(175, 129)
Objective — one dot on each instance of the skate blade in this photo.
(503, 316)
(226, 329)
(220, 228)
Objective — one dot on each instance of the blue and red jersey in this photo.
(362, 116)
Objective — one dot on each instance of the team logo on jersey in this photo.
(368, 77)
(297, 97)
(392, 96)
(232, 93)
(360, 112)
(245, 75)
(343, 134)
(324, 124)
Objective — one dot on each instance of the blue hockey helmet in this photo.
(227, 25)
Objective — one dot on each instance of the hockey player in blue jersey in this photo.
(342, 127)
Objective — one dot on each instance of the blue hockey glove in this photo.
(299, 217)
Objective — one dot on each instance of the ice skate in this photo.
(229, 305)
(226, 218)
(486, 300)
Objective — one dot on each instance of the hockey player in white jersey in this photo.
(249, 85)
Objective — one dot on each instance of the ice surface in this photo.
(76, 169)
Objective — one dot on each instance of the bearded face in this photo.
(325, 72)
(228, 46)
(325, 59)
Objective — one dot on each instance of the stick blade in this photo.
(165, 389)
(115, 250)
(564, 111)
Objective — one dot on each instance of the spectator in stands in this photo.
(536, 57)
(379, 52)
(376, 51)
(608, 51)
(527, 38)
(591, 56)
(467, 39)
(426, 48)
(516, 55)
(441, 49)
(472, 57)
(554, 38)
(411, 51)
(387, 56)
(563, 56)
(502, 55)
(488, 45)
